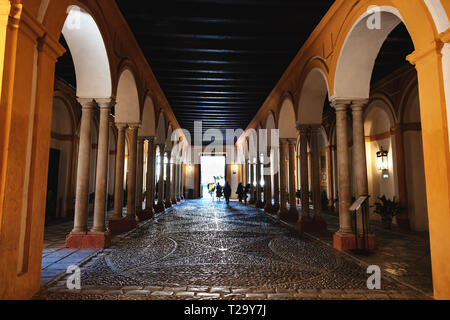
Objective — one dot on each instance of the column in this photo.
(304, 176)
(140, 174)
(318, 224)
(252, 181)
(84, 154)
(315, 171)
(293, 213)
(403, 218)
(101, 181)
(168, 202)
(276, 181)
(259, 201)
(79, 231)
(283, 194)
(132, 162)
(160, 205)
(118, 185)
(174, 182)
(268, 184)
(359, 160)
(344, 237)
(150, 198)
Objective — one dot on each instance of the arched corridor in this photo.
(331, 116)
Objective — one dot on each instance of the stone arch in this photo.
(312, 96)
(161, 129)
(93, 74)
(148, 128)
(286, 119)
(358, 46)
(127, 108)
(378, 122)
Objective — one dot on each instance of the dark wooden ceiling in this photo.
(218, 60)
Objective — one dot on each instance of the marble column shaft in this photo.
(140, 173)
(283, 182)
(292, 191)
(132, 174)
(304, 179)
(150, 183)
(84, 157)
(345, 221)
(101, 181)
(119, 172)
(168, 180)
(315, 168)
(161, 175)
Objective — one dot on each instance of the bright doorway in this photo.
(212, 172)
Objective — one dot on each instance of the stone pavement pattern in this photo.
(207, 250)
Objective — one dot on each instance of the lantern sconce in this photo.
(382, 163)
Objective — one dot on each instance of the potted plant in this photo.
(387, 209)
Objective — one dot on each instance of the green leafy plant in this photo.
(387, 208)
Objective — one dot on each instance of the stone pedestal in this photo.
(311, 225)
(159, 207)
(123, 225)
(88, 241)
(144, 215)
(346, 242)
(288, 215)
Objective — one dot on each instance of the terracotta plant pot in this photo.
(387, 224)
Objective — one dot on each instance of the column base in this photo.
(145, 214)
(160, 208)
(123, 225)
(290, 216)
(168, 204)
(275, 208)
(347, 242)
(178, 199)
(311, 225)
(260, 204)
(404, 224)
(174, 201)
(268, 208)
(88, 241)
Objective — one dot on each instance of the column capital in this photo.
(134, 126)
(340, 104)
(283, 141)
(358, 105)
(292, 141)
(303, 128)
(105, 103)
(87, 103)
(120, 125)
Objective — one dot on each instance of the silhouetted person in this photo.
(240, 192)
(227, 192)
(246, 192)
(219, 192)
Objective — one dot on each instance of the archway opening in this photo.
(212, 174)
(372, 65)
(82, 72)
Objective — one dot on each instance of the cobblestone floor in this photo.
(206, 250)
(404, 256)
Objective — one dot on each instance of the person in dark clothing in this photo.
(246, 192)
(219, 192)
(227, 192)
(240, 192)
